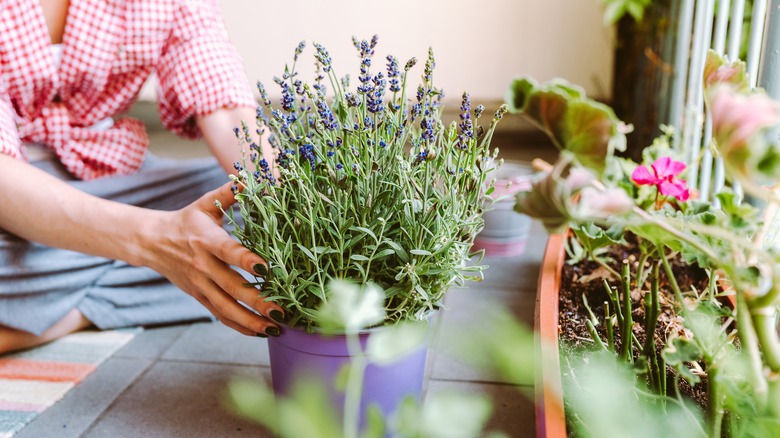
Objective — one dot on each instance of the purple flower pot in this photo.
(297, 353)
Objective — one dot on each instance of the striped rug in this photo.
(33, 380)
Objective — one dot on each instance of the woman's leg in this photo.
(12, 339)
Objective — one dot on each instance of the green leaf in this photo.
(420, 252)
(403, 255)
(307, 252)
(365, 231)
(587, 128)
(359, 257)
(375, 423)
(613, 12)
(448, 414)
(678, 353)
(384, 253)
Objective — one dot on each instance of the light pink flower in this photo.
(663, 174)
(736, 117)
(604, 203)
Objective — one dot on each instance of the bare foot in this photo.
(12, 339)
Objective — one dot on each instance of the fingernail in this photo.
(260, 269)
(276, 315)
(273, 331)
(261, 335)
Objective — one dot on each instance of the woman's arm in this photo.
(217, 129)
(187, 246)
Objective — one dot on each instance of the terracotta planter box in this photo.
(550, 415)
(550, 419)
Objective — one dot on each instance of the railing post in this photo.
(769, 72)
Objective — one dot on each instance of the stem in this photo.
(714, 403)
(672, 280)
(766, 332)
(626, 350)
(608, 327)
(354, 389)
(652, 312)
(615, 302)
(750, 344)
(595, 335)
(604, 265)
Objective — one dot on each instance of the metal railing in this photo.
(701, 27)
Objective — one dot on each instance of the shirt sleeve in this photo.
(200, 70)
(9, 136)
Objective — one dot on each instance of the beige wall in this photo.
(479, 46)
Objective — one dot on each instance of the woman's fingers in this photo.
(210, 252)
(223, 195)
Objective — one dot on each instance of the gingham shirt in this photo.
(110, 47)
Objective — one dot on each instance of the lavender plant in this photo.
(366, 185)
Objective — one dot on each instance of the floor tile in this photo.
(151, 343)
(513, 412)
(217, 343)
(73, 415)
(465, 320)
(179, 399)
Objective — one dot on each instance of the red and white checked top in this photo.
(110, 47)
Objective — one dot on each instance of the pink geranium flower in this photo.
(736, 117)
(663, 174)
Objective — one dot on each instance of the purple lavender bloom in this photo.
(466, 126)
(326, 115)
(298, 84)
(500, 112)
(321, 90)
(237, 165)
(339, 166)
(299, 50)
(263, 94)
(430, 64)
(306, 152)
(393, 73)
(416, 111)
(284, 157)
(478, 111)
(353, 100)
(427, 125)
(421, 156)
(410, 63)
(374, 98)
(288, 101)
(323, 57)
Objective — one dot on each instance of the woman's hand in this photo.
(195, 253)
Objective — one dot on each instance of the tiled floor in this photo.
(170, 382)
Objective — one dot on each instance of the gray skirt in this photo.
(39, 285)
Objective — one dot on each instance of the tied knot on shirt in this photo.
(88, 153)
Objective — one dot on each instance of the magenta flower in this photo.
(664, 177)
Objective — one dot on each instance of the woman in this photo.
(94, 230)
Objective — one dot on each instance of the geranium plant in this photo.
(366, 185)
(610, 202)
